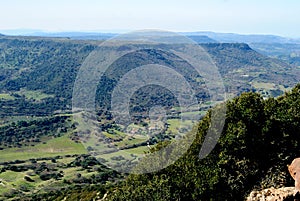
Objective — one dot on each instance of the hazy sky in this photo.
(281, 17)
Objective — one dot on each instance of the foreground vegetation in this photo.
(259, 139)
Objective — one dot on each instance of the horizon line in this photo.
(29, 31)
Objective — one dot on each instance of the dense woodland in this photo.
(28, 133)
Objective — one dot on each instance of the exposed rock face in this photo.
(272, 194)
(294, 170)
(281, 194)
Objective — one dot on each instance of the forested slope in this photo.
(37, 74)
(259, 139)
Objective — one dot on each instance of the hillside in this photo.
(37, 74)
(288, 52)
(244, 69)
(259, 139)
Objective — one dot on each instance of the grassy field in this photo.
(116, 135)
(127, 155)
(54, 147)
(6, 97)
(136, 139)
(36, 95)
(176, 124)
(138, 150)
(10, 180)
(263, 85)
(193, 115)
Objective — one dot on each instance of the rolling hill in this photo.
(38, 73)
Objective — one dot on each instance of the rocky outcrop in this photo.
(294, 170)
(272, 194)
(281, 194)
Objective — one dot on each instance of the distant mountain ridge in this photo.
(105, 36)
(201, 39)
(213, 36)
(244, 38)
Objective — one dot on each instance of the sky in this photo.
(278, 17)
